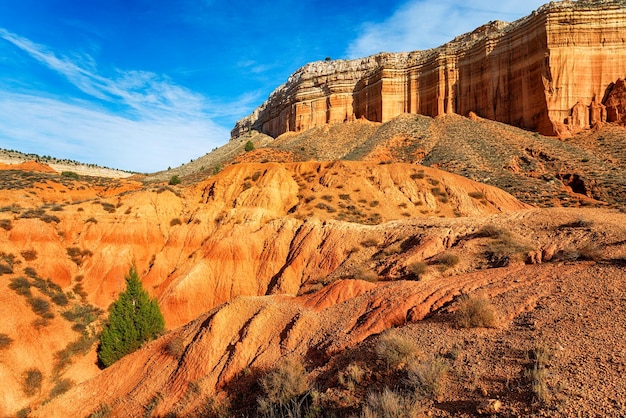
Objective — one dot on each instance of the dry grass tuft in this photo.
(475, 312)
(448, 260)
(175, 347)
(390, 404)
(283, 384)
(367, 275)
(428, 378)
(538, 373)
(396, 350)
(417, 269)
(352, 375)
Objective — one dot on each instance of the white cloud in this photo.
(424, 24)
(48, 126)
(160, 123)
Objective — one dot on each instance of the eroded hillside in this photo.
(339, 251)
(345, 318)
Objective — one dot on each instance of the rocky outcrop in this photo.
(546, 72)
(616, 102)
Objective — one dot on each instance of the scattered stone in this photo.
(489, 407)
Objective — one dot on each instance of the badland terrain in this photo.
(392, 243)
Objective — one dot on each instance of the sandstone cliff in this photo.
(547, 72)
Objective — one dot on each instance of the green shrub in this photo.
(174, 180)
(32, 381)
(70, 174)
(135, 318)
(538, 373)
(23, 413)
(475, 312)
(249, 146)
(504, 246)
(82, 315)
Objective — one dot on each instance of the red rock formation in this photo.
(616, 102)
(543, 72)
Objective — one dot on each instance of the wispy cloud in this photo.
(50, 126)
(133, 119)
(423, 24)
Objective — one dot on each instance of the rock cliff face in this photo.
(548, 72)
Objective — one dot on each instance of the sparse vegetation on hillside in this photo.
(134, 319)
(249, 146)
(70, 174)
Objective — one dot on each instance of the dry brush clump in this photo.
(427, 378)
(396, 350)
(285, 389)
(504, 247)
(475, 312)
(351, 376)
(5, 341)
(538, 373)
(390, 404)
(31, 384)
(175, 347)
(417, 269)
(367, 275)
(448, 260)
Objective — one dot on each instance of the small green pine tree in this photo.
(133, 320)
(249, 146)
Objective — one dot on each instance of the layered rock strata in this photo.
(547, 72)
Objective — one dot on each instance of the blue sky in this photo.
(146, 84)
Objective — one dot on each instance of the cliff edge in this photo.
(550, 72)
